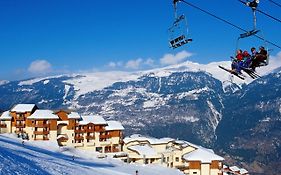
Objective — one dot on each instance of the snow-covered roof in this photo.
(243, 171)
(6, 116)
(114, 125)
(95, 119)
(144, 150)
(151, 140)
(234, 168)
(43, 114)
(185, 144)
(203, 155)
(62, 136)
(23, 108)
(74, 115)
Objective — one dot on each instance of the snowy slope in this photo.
(46, 158)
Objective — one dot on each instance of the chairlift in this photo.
(253, 5)
(178, 33)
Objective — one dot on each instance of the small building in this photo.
(203, 161)
(168, 152)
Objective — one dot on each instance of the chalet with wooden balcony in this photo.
(19, 114)
(42, 125)
(66, 127)
(5, 122)
(203, 161)
(114, 130)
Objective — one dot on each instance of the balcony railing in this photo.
(41, 125)
(90, 137)
(79, 131)
(20, 125)
(41, 132)
(99, 129)
(79, 138)
(90, 130)
(105, 136)
(20, 118)
(3, 125)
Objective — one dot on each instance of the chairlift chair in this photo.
(178, 33)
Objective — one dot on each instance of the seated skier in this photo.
(237, 62)
(247, 59)
(260, 58)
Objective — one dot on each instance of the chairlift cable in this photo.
(262, 12)
(275, 3)
(270, 16)
(227, 22)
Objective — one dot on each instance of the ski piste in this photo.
(232, 72)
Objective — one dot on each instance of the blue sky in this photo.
(39, 37)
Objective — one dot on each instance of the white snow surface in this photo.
(43, 114)
(46, 82)
(23, 108)
(36, 80)
(89, 82)
(74, 115)
(243, 171)
(151, 140)
(44, 157)
(144, 150)
(6, 116)
(234, 168)
(203, 155)
(95, 119)
(2, 82)
(114, 125)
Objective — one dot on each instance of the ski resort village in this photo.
(28, 124)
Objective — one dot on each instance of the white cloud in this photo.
(170, 59)
(149, 62)
(112, 64)
(40, 67)
(134, 64)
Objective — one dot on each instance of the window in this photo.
(194, 172)
(146, 161)
(167, 159)
(164, 159)
(99, 149)
(177, 159)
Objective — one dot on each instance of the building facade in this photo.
(185, 156)
(66, 127)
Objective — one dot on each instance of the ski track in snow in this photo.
(35, 158)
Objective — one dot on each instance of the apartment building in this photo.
(183, 155)
(66, 127)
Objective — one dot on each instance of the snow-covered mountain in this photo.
(189, 101)
(47, 158)
(188, 96)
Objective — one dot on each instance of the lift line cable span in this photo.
(275, 3)
(227, 22)
(262, 12)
